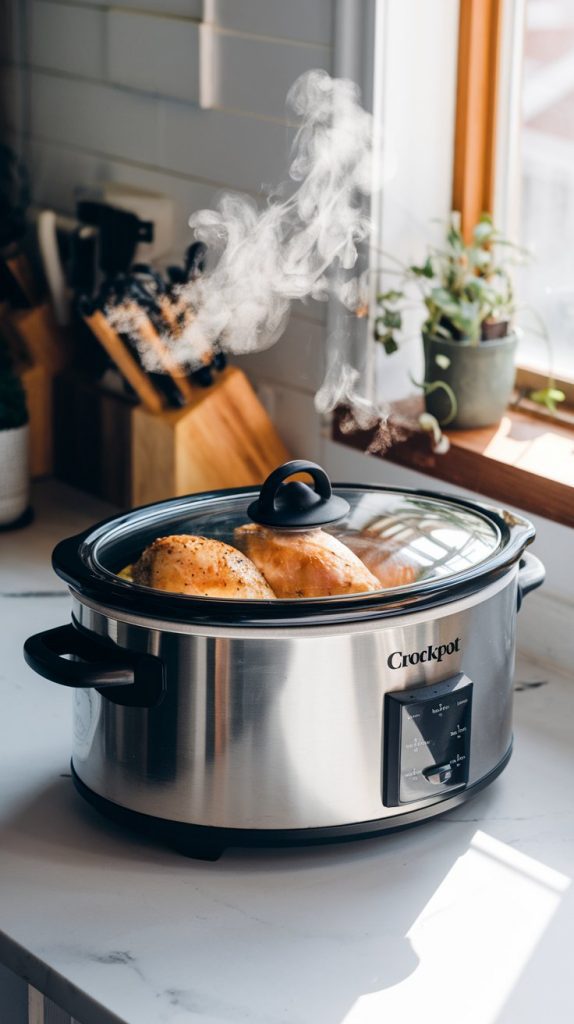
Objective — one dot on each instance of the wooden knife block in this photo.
(41, 350)
(130, 456)
(223, 439)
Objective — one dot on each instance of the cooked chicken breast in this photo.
(197, 565)
(310, 564)
(391, 566)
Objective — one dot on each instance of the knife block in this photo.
(37, 383)
(224, 438)
(40, 349)
(130, 456)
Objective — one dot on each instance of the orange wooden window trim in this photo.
(479, 43)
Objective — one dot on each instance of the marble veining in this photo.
(19, 594)
(530, 684)
(116, 956)
(466, 919)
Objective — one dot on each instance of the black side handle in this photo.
(531, 574)
(124, 677)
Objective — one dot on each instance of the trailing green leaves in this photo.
(549, 397)
(463, 286)
(465, 290)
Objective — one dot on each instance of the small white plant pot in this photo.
(14, 474)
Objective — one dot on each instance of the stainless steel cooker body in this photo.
(210, 721)
(284, 729)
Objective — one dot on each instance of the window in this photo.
(545, 214)
(509, 148)
(450, 85)
(415, 107)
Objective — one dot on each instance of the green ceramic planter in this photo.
(481, 376)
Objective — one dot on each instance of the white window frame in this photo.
(402, 208)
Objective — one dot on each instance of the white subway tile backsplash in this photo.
(307, 20)
(154, 54)
(58, 171)
(66, 38)
(294, 415)
(311, 309)
(187, 197)
(184, 8)
(231, 150)
(145, 52)
(296, 360)
(12, 104)
(254, 75)
(239, 151)
(11, 31)
(100, 118)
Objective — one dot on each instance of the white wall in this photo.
(113, 91)
(417, 108)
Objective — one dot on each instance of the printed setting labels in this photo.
(427, 741)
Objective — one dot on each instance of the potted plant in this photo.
(14, 472)
(469, 336)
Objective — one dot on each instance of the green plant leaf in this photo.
(425, 270)
(454, 236)
(483, 231)
(388, 342)
(444, 299)
(430, 425)
(438, 385)
(548, 396)
(393, 319)
(442, 332)
(479, 258)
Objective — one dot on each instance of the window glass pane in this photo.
(547, 187)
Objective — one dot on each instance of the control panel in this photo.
(427, 741)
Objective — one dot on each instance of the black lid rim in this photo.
(71, 562)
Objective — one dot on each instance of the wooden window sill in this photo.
(526, 461)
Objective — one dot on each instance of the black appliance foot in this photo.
(199, 851)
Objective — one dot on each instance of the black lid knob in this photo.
(295, 505)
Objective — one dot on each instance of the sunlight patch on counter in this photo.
(484, 920)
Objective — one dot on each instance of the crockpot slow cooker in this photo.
(213, 722)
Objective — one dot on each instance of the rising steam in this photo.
(261, 260)
(268, 258)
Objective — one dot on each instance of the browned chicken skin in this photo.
(391, 566)
(309, 564)
(185, 564)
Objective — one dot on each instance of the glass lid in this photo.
(294, 541)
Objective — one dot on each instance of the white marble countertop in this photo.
(465, 919)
